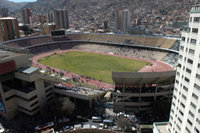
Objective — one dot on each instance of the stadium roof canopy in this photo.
(135, 78)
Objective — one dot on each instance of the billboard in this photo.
(57, 32)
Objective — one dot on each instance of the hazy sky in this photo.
(22, 0)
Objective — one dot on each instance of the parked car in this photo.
(96, 119)
(63, 120)
(1, 128)
(101, 126)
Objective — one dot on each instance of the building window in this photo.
(187, 130)
(182, 105)
(27, 100)
(185, 88)
(191, 19)
(194, 30)
(36, 108)
(181, 48)
(175, 89)
(179, 120)
(197, 131)
(180, 57)
(46, 84)
(188, 70)
(191, 51)
(174, 97)
(198, 121)
(190, 61)
(10, 97)
(184, 97)
(178, 127)
(196, 86)
(34, 103)
(181, 112)
(177, 74)
(198, 76)
(198, 65)
(50, 94)
(195, 96)
(183, 38)
(191, 114)
(187, 80)
(189, 122)
(196, 19)
(193, 105)
(193, 41)
(48, 90)
(179, 65)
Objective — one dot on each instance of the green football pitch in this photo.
(93, 65)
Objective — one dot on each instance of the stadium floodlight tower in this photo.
(185, 108)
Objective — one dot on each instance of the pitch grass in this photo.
(92, 65)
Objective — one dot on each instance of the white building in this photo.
(185, 108)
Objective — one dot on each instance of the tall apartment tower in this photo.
(125, 21)
(50, 17)
(62, 19)
(9, 32)
(26, 13)
(4, 12)
(117, 19)
(185, 108)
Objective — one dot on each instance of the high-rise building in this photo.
(185, 108)
(9, 29)
(62, 19)
(26, 13)
(117, 19)
(50, 17)
(125, 21)
(122, 20)
(4, 12)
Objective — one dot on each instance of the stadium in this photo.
(141, 71)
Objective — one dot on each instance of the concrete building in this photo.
(20, 87)
(125, 21)
(9, 29)
(136, 91)
(122, 20)
(117, 19)
(62, 19)
(50, 17)
(185, 108)
(26, 14)
(4, 12)
(27, 89)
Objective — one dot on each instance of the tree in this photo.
(26, 30)
(67, 107)
(124, 123)
(59, 107)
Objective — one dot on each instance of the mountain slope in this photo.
(12, 6)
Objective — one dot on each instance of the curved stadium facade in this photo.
(133, 91)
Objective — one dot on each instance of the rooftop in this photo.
(195, 9)
(6, 54)
(160, 127)
(7, 18)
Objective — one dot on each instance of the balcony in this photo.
(195, 9)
